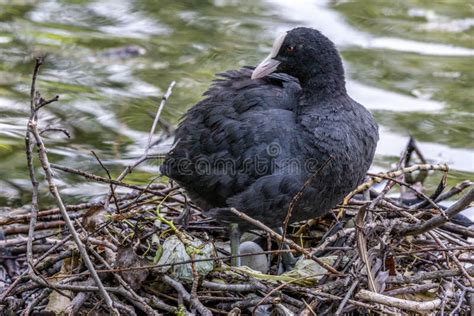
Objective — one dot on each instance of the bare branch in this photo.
(144, 157)
(439, 220)
(413, 306)
(46, 102)
(33, 130)
(55, 129)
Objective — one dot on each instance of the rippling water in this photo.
(411, 63)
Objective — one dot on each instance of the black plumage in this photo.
(259, 135)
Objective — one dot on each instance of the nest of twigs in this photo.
(389, 248)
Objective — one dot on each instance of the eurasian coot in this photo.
(260, 134)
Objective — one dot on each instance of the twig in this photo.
(281, 286)
(102, 179)
(458, 305)
(135, 298)
(452, 256)
(34, 203)
(39, 260)
(127, 310)
(117, 208)
(333, 238)
(11, 219)
(393, 174)
(404, 160)
(417, 192)
(338, 298)
(399, 303)
(43, 157)
(458, 229)
(429, 275)
(35, 99)
(346, 297)
(437, 221)
(412, 289)
(231, 287)
(251, 287)
(362, 246)
(129, 168)
(186, 296)
(439, 189)
(46, 102)
(29, 149)
(458, 188)
(78, 300)
(39, 226)
(41, 296)
(55, 129)
(196, 278)
(157, 303)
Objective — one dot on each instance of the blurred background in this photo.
(410, 62)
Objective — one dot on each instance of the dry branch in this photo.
(144, 157)
(437, 221)
(413, 306)
(43, 158)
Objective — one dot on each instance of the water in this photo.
(410, 63)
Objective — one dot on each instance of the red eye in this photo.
(289, 49)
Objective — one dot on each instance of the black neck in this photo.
(324, 81)
(319, 89)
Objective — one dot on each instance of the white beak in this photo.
(269, 64)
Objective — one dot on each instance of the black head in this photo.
(303, 53)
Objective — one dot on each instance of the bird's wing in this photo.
(239, 133)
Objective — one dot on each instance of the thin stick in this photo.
(458, 188)
(346, 298)
(186, 296)
(284, 284)
(343, 232)
(31, 170)
(437, 221)
(362, 246)
(335, 297)
(101, 179)
(428, 275)
(399, 303)
(412, 289)
(137, 299)
(144, 157)
(46, 102)
(416, 191)
(43, 157)
(394, 174)
(55, 129)
(112, 190)
(452, 256)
